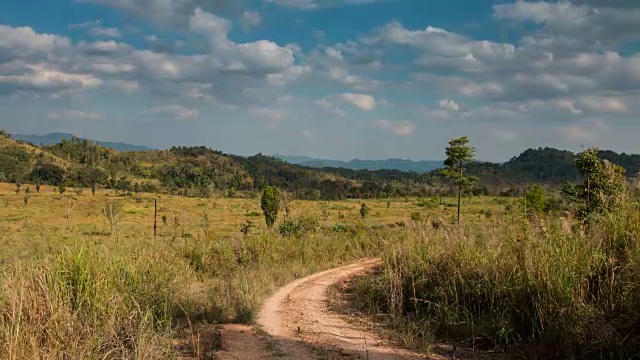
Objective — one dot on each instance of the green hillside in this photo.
(203, 172)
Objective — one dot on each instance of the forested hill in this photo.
(200, 171)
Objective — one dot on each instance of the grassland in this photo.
(540, 288)
(74, 287)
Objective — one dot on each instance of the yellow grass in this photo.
(128, 295)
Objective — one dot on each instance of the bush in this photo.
(47, 174)
(299, 227)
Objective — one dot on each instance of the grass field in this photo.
(75, 284)
(118, 292)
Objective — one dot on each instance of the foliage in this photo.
(299, 227)
(364, 210)
(270, 204)
(602, 188)
(459, 153)
(47, 174)
(535, 199)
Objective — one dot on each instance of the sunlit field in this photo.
(88, 268)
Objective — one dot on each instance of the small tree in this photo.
(535, 198)
(270, 204)
(27, 190)
(93, 188)
(18, 185)
(364, 210)
(26, 201)
(112, 214)
(602, 188)
(38, 187)
(458, 153)
(61, 189)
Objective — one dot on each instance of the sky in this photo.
(338, 79)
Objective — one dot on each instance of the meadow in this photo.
(83, 276)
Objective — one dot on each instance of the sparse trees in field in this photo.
(38, 187)
(27, 190)
(458, 153)
(18, 185)
(270, 204)
(364, 210)
(61, 189)
(26, 201)
(93, 188)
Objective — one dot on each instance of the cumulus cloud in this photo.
(398, 128)
(362, 101)
(449, 104)
(25, 43)
(41, 78)
(178, 112)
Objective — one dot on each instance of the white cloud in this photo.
(398, 128)
(250, 19)
(362, 101)
(41, 78)
(449, 104)
(105, 32)
(178, 112)
(25, 43)
(110, 68)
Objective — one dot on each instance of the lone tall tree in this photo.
(458, 154)
(270, 204)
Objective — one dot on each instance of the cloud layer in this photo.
(559, 73)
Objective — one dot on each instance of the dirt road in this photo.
(296, 323)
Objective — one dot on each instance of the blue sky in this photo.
(342, 79)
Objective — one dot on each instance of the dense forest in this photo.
(203, 172)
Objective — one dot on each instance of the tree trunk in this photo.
(155, 216)
(459, 193)
(459, 196)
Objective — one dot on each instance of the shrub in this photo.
(299, 227)
(270, 204)
(364, 210)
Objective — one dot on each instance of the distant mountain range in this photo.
(54, 138)
(355, 164)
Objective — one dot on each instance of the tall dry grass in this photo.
(542, 289)
(118, 299)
